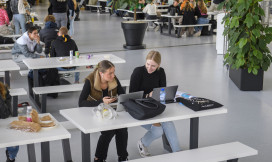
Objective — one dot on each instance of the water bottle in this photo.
(71, 55)
(162, 96)
(28, 114)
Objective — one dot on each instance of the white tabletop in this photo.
(8, 65)
(162, 6)
(136, 11)
(10, 137)
(178, 16)
(84, 119)
(102, 0)
(55, 62)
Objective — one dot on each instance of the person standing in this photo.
(59, 8)
(19, 11)
(72, 5)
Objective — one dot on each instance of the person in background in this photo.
(59, 8)
(201, 12)
(49, 33)
(5, 111)
(19, 11)
(77, 11)
(27, 45)
(151, 10)
(102, 86)
(62, 47)
(72, 5)
(193, 3)
(183, 4)
(146, 78)
(175, 6)
(188, 19)
(4, 21)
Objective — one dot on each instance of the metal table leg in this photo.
(15, 106)
(45, 152)
(86, 147)
(36, 84)
(233, 160)
(66, 150)
(169, 25)
(31, 153)
(7, 79)
(43, 104)
(194, 128)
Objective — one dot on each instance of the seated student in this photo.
(102, 86)
(188, 19)
(5, 104)
(27, 45)
(62, 47)
(49, 33)
(4, 21)
(151, 10)
(176, 8)
(146, 78)
(201, 12)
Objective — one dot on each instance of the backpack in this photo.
(5, 106)
(6, 40)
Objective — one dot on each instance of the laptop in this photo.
(124, 97)
(170, 93)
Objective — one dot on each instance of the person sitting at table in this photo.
(27, 45)
(146, 78)
(188, 19)
(176, 8)
(5, 106)
(151, 10)
(62, 47)
(49, 33)
(102, 86)
(201, 12)
(4, 21)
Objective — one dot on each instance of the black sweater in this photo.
(62, 46)
(141, 80)
(83, 102)
(59, 6)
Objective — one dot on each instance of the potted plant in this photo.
(134, 31)
(247, 53)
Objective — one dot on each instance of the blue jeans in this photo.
(156, 132)
(71, 69)
(12, 152)
(201, 20)
(71, 30)
(19, 21)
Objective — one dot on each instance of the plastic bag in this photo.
(105, 111)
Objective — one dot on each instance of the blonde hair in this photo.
(63, 30)
(202, 7)
(103, 66)
(188, 7)
(155, 56)
(50, 18)
(3, 90)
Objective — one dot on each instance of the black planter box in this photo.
(245, 81)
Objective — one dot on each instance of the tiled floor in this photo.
(193, 64)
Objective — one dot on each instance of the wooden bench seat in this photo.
(43, 91)
(229, 151)
(14, 93)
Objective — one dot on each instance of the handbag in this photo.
(143, 108)
(198, 103)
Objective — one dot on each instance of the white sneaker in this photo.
(157, 28)
(142, 149)
(197, 34)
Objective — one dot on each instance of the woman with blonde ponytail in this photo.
(102, 86)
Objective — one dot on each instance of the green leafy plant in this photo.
(248, 37)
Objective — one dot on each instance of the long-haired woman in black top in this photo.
(102, 86)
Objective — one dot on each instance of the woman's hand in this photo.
(108, 100)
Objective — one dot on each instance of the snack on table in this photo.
(25, 126)
(22, 118)
(45, 118)
(49, 124)
(35, 116)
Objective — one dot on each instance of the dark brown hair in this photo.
(50, 18)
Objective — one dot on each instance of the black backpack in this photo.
(6, 40)
(5, 106)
